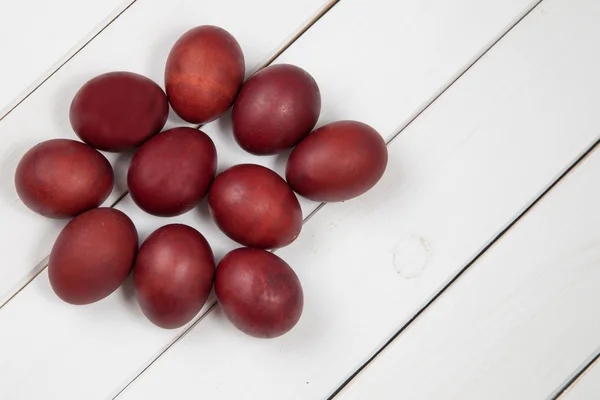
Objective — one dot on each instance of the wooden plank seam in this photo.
(576, 377)
(42, 265)
(562, 175)
(78, 47)
(320, 206)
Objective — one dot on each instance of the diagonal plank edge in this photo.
(578, 379)
(471, 264)
(28, 246)
(387, 126)
(213, 303)
(489, 128)
(506, 366)
(39, 81)
(41, 266)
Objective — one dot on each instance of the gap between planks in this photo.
(576, 377)
(469, 264)
(193, 324)
(586, 366)
(70, 55)
(214, 304)
(42, 265)
(310, 23)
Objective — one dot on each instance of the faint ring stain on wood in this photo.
(410, 256)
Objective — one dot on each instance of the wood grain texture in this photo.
(458, 175)
(142, 31)
(522, 319)
(587, 387)
(519, 321)
(92, 352)
(38, 36)
(350, 89)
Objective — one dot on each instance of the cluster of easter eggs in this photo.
(172, 171)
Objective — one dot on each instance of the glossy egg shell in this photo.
(118, 111)
(61, 178)
(276, 108)
(259, 292)
(92, 256)
(204, 72)
(337, 162)
(172, 171)
(173, 275)
(255, 207)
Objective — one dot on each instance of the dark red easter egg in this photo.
(204, 72)
(259, 292)
(255, 207)
(92, 256)
(173, 275)
(118, 111)
(276, 108)
(337, 162)
(61, 178)
(172, 171)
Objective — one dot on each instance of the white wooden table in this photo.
(471, 271)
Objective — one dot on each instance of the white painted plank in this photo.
(36, 36)
(519, 321)
(587, 387)
(139, 40)
(114, 334)
(387, 96)
(457, 176)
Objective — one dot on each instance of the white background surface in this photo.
(489, 104)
